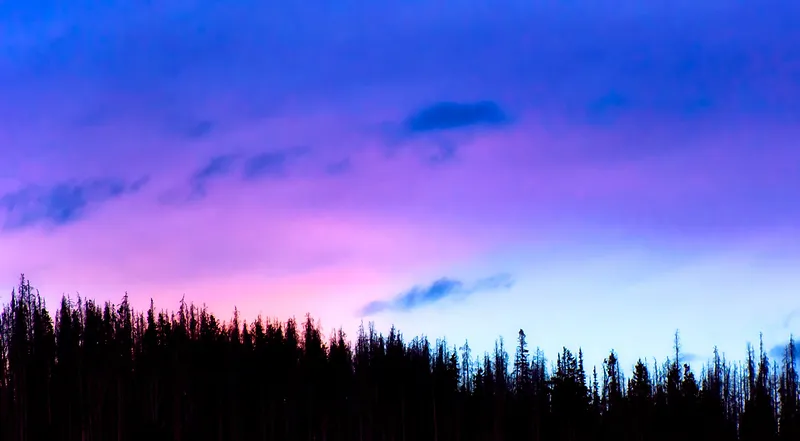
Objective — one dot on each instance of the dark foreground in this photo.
(108, 373)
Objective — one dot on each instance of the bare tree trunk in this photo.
(272, 420)
(177, 429)
(435, 421)
(263, 420)
(69, 419)
(49, 405)
(23, 434)
(119, 409)
(403, 417)
(361, 426)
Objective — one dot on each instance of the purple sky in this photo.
(598, 173)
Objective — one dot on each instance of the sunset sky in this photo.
(598, 173)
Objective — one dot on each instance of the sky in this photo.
(598, 173)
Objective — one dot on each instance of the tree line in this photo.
(106, 372)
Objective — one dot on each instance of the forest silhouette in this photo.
(108, 373)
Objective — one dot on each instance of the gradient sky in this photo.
(599, 173)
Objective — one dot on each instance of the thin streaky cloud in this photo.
(216, 167)
(448, 115)
(420, 296)
(272, 163)
(63, 203)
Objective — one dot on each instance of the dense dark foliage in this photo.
(108, 373)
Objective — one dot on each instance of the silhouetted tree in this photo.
(94, 372)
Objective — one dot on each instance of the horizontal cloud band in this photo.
(440, 289)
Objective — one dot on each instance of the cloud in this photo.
(253, 167)
(787, 321)
(63, 203)
(502, 280)
(217, 166)
(339, 167)
(271, 163)
(778, 351)
(442, 128)
(607, 107)
(444, 151)
(200, 129)
(440, 289)
(448, 115)
(689, 358)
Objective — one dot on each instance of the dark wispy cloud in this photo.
(200, 129)
(272, 163)
(440, 289)
(252, 167)
(448, 115)
(184, 124)
(791, 316)
(688, 358)
(441, 126)
(444, 151)
(216, 167)
(63, 203)
(339, 167)
(777, 352)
